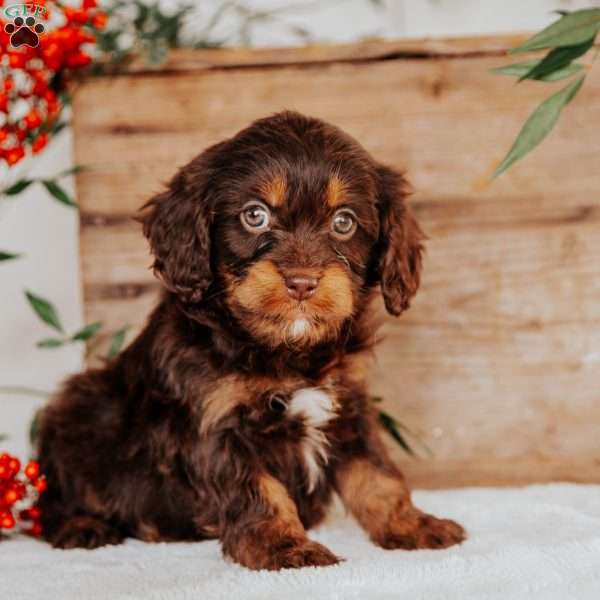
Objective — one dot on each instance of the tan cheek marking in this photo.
(262, 291)
(274, 190)
(262, 288)
(336, 191)
(334, 294)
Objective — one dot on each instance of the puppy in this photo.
(242, 406)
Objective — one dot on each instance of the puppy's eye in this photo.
(343, 224)
(255, 217)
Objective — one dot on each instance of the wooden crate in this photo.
(496, 365)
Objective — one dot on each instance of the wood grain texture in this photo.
(496, 365)
(319, 55)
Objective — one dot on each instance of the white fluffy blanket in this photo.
(536, 542)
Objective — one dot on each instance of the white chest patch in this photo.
(316, 408)
(298, 328)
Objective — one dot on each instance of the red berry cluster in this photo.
(34, 77)
(16, 490)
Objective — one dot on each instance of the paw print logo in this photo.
(24, 32)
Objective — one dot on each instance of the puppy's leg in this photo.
(85, 532)
(380, 500)
(266, 532)
(67, 527)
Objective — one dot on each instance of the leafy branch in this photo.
(400, 433)
(151, 32)
(51, 184)
(569, 38)
(20, 390)
(116, 342)
(47, 313)
(8, 255)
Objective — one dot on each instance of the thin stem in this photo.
(23, 391)
(215, 18)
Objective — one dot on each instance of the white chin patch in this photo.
(299, 327)
(316, 408)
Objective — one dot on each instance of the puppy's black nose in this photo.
(301, 287)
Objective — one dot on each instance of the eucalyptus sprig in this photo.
(4, 255)
(136, 27)
(47, 313)
(407, 439)
(569, 38)
(52, 185)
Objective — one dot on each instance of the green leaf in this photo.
(116, 342)
(391, 426)
(50, 343)
(521, 68)
(45, 311)
(58, 127)
(556, 59)
(301, 32)
(18, 187)
(539, 124)
(58, 192)
(34, 427)
(87, 332)
(65, 99)
(157, 53)
(8, 255)
(3, 437)
(572, 28)
(72, 171)
(408, 434)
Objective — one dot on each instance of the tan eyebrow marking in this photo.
(274, 190)
(336, 191)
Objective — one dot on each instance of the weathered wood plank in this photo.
(463, 118)
(496, 363)
(319, 55)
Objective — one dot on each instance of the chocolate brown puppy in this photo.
(242, 406)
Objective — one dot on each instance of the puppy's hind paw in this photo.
(85, 532)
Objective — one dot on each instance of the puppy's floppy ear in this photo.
(177, 224)
(400, 240)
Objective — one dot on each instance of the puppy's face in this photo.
(289, 224)
(294, 238)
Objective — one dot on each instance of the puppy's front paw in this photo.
(305, 554)
(415, 530)
(290, 553)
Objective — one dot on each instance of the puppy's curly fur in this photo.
(242, 405)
